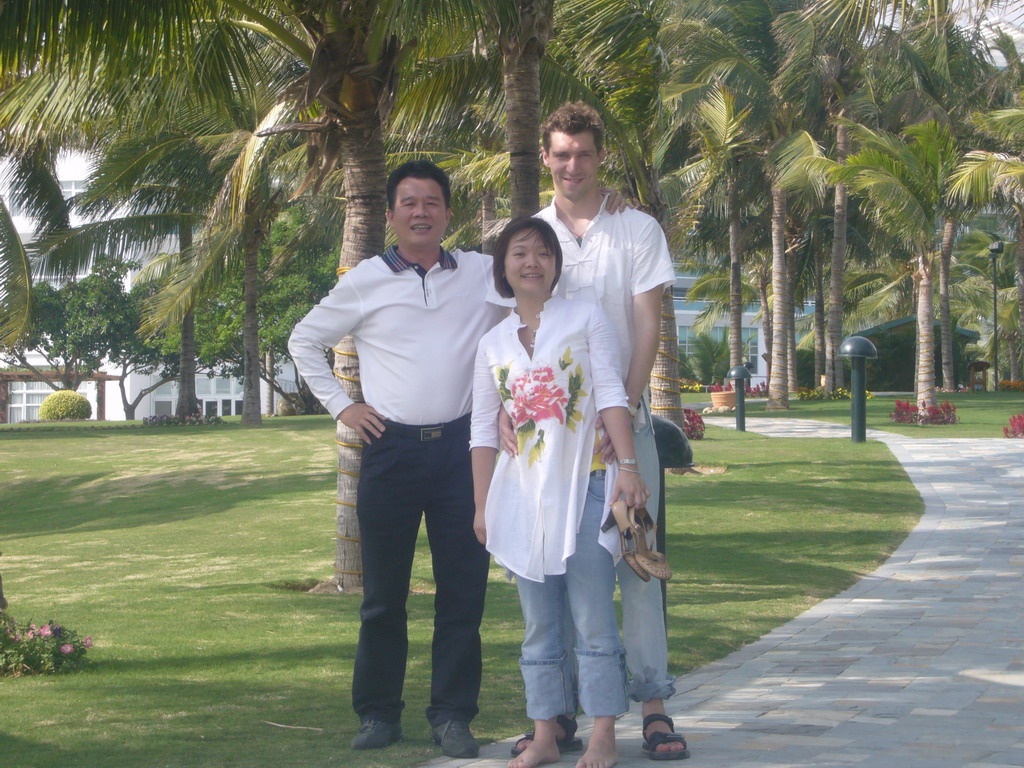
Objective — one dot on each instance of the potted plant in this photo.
(722, 396)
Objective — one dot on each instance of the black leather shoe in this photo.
(456, 739)
(374, 734)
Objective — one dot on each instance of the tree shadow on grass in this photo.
(96, 502)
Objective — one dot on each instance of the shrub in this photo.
(819, 393)
(1008, 385)
(65, 405)
(908, 413)
(689, 385)
(761, 390)
(1016, 428)
(944, 413)
(181, 421)
(905, 413)
(42, 650)
(693, 424)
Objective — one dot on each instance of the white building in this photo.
(687, 312)
(218, 396)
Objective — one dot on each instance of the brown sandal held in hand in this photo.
(653, 562)
(629, 552)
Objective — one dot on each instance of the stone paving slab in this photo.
(918, 665)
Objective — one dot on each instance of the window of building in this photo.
(24, 398)
(71, 187)
(688, 336)
(679, 296)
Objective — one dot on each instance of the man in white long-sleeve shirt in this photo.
(416, 314)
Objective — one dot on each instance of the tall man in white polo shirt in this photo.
(622, 263)
(416, 313)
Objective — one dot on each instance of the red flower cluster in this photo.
(908, 413)
(536, 396)
(693, 424)
(1016, 428)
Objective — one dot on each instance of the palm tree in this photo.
(722, 146)
(904, 183)
(32, 185)
(739, 46)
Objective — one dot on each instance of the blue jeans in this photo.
(643, 622)
(588, 589)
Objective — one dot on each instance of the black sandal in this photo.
(568, 743)
(658, 738)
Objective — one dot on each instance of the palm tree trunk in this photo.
(522, 99)
(487, 233)
(268, 363)
(945, 323)
(1019, 250)
(362, 158)
(819, 320)
(251, 335)
(1013, 352)
(925, 389)
(188, 403)
(778, 381)
(665, 400)
(837, 276)
(766, 326)
(791, 263)
(735, 276)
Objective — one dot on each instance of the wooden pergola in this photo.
(101, 380)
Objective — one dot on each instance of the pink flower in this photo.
(536, 396)
(88, 641)
(45, 631)
(67, 648)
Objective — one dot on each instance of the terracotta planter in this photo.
(728, 399)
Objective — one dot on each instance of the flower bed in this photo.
(694, 424)
(181, 421)
(909, 413)
(820, 393)
(1016, 428)
(39, 650)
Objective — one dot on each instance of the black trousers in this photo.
(401, 479)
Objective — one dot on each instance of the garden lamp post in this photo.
(994, 249)
(740, 375)
(858, 349)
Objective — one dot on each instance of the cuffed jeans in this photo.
(643, 620)
(588, 589)
(402, 480)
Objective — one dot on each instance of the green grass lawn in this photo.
(982, 414)
(179, 549)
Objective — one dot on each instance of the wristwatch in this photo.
(627, 462)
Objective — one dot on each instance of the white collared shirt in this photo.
(621, 255)
(416, 337)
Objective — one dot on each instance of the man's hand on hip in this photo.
(364, 419)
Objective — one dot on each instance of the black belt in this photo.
(427, 432)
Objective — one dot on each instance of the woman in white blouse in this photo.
(553, 366)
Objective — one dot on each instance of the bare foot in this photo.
(560, 734)
(534, 755)
(600, 754)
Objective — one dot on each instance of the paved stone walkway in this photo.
(918, 665)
